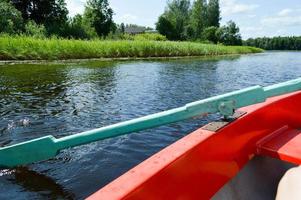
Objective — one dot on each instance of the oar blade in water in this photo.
(28, 152)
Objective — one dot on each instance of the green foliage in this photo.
(77, 29)
(182, 22)
(204, 15)
(56, 23)
(176, 17)
(275, 43)
(35, 30)
(229, 34)
(51, 13)
(165, 27)
(179, 16)
(99, 15)
(138, 37)
(210, 34)
(22, 48)
(150, 37)
(213, 13)
(10, 19)
(126, 37)
(198, 19)
(122, 28)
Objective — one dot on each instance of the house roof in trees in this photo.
(134, 30)
(151, 31)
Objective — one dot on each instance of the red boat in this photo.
(241, 159)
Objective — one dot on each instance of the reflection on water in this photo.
(63, 99)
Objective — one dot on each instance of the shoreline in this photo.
(62, 61)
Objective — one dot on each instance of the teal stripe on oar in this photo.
(47, 147)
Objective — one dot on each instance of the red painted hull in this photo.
(200, 164)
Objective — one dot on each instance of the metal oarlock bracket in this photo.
(227, 108)
(217, 125)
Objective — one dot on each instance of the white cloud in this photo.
(251, 31)
(251, 16)
(281, 20)
(75, 6)
(261, 31)
(281, 23)
(230, 7)
(284, 12)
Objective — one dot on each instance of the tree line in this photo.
(181, 20)
(275, 43)
(50, 17)
(199, 21)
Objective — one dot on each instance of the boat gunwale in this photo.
(119, 189)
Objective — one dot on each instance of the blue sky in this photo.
(255, 18)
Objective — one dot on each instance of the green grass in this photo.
(28, 48)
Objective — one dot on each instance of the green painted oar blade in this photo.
(28, 152)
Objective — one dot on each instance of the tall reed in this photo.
(29, 48)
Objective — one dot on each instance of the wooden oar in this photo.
(47, 147)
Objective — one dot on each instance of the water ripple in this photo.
(39, 100)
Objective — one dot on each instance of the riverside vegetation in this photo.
(42, 30)
(30, 48)
(292, 43)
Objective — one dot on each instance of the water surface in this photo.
(63, 99)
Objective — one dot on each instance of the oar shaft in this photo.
(237, 99)
(283, 88)
(123, 128)
(48, 147)
(211, 105)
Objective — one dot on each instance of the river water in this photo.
(63, 99)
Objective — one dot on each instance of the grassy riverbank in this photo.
(27, 48)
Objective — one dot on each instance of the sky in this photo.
(255, 18)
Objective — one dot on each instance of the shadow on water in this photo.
(32, 181)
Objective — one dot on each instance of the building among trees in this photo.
(181, 20)
(134, 30)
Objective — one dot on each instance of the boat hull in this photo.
(200, 164)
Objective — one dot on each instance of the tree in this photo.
(122, 28)
(179, 16)
(176, 16)
(229, 34)
(198, 20)
(210, 34)
(23, 7)
(164, 27)
(35, 30)
(213, 13)
(77, 28)
(99, 15)
(10, 18)
(275, 43)
(51, 13)
(56, 23)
